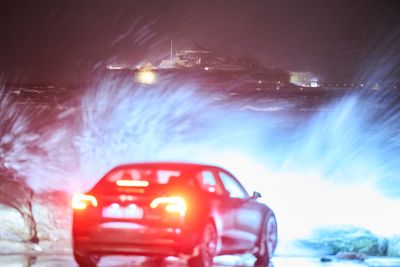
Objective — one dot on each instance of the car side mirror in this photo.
(256, 195)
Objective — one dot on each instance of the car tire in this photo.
(207, 248)
(268, 241)
(86, 259)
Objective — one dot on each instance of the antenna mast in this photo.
(171, 56)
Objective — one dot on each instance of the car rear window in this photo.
(130, 178)
(151, 175)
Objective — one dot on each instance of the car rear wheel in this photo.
(207, 248)
(85, 259)
(268, 241)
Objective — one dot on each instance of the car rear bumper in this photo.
(127, 248)
(140, 241)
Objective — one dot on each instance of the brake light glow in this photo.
(132, 183)
(82, 201)
(172, 204)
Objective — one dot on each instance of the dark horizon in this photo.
(67, 40)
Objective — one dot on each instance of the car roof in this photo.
(166, 165)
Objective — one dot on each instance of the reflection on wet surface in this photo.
(118, 261)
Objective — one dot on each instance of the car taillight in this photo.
(171, 204)
(82, 201)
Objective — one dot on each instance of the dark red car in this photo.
(186, 210)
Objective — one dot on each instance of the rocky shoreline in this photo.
(52, 214)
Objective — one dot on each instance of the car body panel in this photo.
(135, 228)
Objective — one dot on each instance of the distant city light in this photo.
(146, 77)
(114, 67)
(376, 87)
(304, 79)
(206, 68)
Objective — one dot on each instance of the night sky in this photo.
(65, 40)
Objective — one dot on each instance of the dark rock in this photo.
(17, 195)
(326, 259)
(394, 246)
(347, 239)
(52, 214)
(350, 256)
